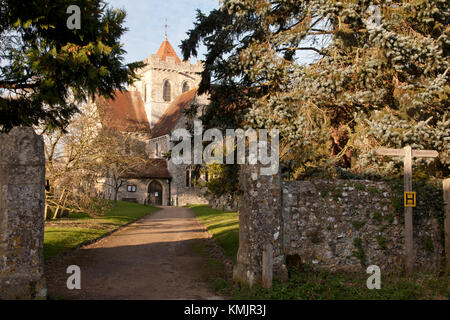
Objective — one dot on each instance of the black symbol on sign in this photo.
(410, 199)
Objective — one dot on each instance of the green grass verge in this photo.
(307, 284)
(223, 226)
(67, 233)
(323, 285)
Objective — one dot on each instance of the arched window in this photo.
(192, 176)
(166, 90)
(185, 87)
(188, 177)
(195, 176)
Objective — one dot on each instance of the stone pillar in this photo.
(446, 185)
(22, 200)
(260, 223)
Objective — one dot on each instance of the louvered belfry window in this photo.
(166, 91)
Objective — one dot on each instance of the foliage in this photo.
(223, 179)
(371, 83)
(84, 160)
(381, 242)
(377, 216)
(359, 252)
(118, 156)
(358, 225)
(428, 244)
(311, 284)
(430, 199)
(46, 69)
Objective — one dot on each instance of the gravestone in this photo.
(22, 200)
(260, 223)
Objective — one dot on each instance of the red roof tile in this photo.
(126, 112)
(153, 168)
(166, 50)
(173, 113)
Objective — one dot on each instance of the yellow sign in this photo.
(410, 199)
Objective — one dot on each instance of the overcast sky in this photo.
(146, 20)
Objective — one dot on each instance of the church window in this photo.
(131, 188)
(166, 91)
(156, 150)
(185, 87)
(192, 177)
(195, 176)
(188, 177)
(206, 175)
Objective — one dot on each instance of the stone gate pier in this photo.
(260, 223)
(22, 201)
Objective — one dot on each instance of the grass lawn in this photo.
(223, 225)
(314, 285)
(66, 233)
(306, 284)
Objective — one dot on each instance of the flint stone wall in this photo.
(343, 225)
(22, 200)
(224, 203)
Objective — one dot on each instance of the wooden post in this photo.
(446, 186)
(408, 154)
(267, 266)
(409, 263)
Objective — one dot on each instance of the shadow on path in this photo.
(153, 258)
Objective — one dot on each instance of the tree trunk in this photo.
(339, 139)
(45, 210)
(55, 215)
(116, 192)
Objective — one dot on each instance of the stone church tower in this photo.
(163, 79)
(150, 110)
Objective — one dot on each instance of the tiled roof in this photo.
(173, 114)
(153, 168)
(166, 50)
(126, 112)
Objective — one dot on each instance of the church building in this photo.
(150, 110)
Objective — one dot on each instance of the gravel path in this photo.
(149, 259)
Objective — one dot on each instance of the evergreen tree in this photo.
(47, 68)
(380, 77)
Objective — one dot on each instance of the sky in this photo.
(146, 19)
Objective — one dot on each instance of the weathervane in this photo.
(165, 33)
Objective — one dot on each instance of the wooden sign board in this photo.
(401, 153)
(425, 154)
(390, 152)
(410, 197)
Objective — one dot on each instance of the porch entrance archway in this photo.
(155, 195)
